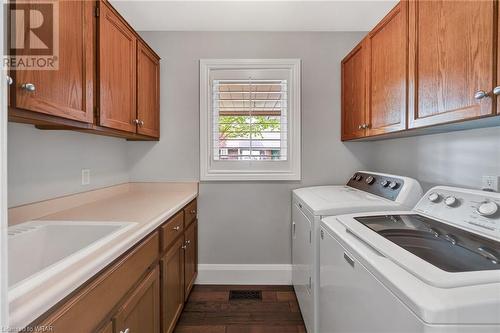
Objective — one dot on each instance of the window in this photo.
(250, 119)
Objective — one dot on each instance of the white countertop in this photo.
(147, 204)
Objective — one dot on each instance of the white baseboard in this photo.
(244, 274)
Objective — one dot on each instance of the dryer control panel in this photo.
(383, 186)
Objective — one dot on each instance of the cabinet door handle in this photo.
(480, 94)
(10, 80)
(177, 228)
(349, 260)
(193, 211)
(141, 122)
(29, 87)
(136, 121)
(496, 90)
(127, 330)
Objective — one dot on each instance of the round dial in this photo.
(354, 176)
(393, 185)
(359, 177)
(434, 197)
(451, 201)
(385, 183)
(370, 180)
(487, 208)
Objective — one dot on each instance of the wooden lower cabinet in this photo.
(143, 291)
(190, 262)
(172, 265)
(141, 311)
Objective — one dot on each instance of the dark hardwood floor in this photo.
(209, 310)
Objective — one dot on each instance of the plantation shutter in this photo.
(249, 120)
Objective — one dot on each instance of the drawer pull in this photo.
(193, 211)
(176, 228)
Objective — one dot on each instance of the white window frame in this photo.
(211, 170)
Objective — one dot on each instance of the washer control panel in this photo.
(475, 210)
(383, 186)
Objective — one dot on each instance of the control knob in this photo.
(451, 201)
(359, 177)
(370, 180)
(487, 208)
(385, 183)
(393, 185)
(434, 197)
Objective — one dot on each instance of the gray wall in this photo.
(47, 164)
(455, 158)
(247, 222)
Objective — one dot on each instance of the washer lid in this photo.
(442, 245)
(420, 268)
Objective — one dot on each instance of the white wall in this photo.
(47, 164)
(455, 158)
(247, 223)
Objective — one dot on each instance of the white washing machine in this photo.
(365, 191)
(435, 268)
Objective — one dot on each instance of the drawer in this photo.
(171, 230)
(90, 306)
(190, 212)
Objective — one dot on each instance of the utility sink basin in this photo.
(39, 249)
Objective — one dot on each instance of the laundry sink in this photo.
(39, 249)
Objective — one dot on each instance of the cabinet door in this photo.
(191, 257)
(172, 285)
(452, 58)
(354, 92)
(117, 72)
(388, 73)
(141, 311)
(148, 92)
(66, 91)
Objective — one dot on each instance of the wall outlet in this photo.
(490, 183)
(85, 176)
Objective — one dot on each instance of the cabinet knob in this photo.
(364, 126)
(126, 331)
(141, 122)
(177, 228)
(496, 90)
(10, 80)
(193, 211)
(183, 247)
(29, 87)
(136, 121)
(480, 94)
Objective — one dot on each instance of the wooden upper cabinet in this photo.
(66, 92)
(148, 91)
(354, 91)
(141, 311)
(451, 47)
(387, 73)
(117, 71)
